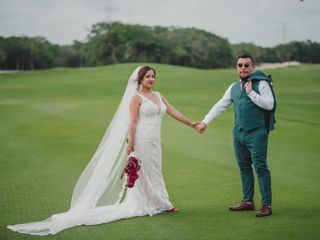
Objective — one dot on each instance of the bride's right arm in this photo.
(177, 115)
(134, 106)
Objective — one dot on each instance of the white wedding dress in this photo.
(100, 196)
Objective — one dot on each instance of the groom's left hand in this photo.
(248, 87)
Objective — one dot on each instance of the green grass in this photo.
(52, 121)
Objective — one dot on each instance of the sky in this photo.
(263, 22)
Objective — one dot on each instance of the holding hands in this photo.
(200, 127)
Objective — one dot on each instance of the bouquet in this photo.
(131, 169)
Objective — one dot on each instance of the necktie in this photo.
(242, 84)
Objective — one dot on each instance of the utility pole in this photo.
(108, 10)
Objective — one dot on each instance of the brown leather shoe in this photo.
(264, 211)
(243, 206)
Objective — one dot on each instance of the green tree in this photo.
(28, 53)
(269, 55)
(70, 55)
(198, 48)
(3, 54)
(116, 42)
(249, 48)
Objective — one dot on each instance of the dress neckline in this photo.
(158, 106)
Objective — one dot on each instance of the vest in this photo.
(247, 115)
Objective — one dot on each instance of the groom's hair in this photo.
(246, 56)
(142, 72)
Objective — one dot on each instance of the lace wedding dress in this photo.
(100, 196)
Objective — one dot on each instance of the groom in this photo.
(254, 106)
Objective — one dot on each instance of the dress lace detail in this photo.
(150, 192)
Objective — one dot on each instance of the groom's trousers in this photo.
(251, 149)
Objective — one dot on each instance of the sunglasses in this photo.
(240, 65)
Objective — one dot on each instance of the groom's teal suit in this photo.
(250, 139)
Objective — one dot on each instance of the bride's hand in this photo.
(200, 127)
(130, 148)
(192, 124)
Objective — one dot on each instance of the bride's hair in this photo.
(142, 72)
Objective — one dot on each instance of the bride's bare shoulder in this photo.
(136, 99)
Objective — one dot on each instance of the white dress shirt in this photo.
(264, 100)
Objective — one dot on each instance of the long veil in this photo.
(102, 182)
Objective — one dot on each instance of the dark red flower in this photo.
(131, 169)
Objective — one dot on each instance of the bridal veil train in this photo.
(99, 195)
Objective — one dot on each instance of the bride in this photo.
(100, 194)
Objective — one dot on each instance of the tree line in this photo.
(115, 42)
